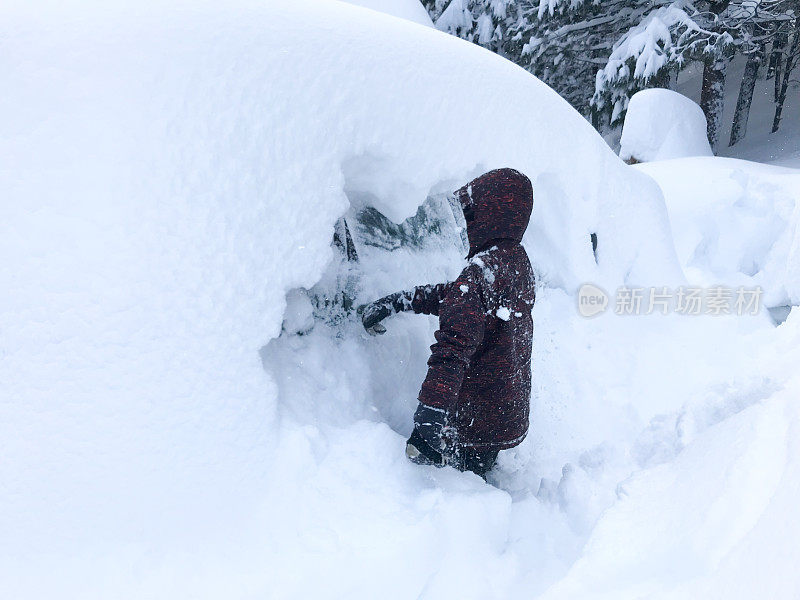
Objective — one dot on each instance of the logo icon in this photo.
(592, 300)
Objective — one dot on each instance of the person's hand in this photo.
(431, 423)
(373, 313)
(420, 453)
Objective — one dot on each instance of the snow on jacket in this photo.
(479, 371)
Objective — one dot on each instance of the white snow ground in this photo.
(172, 173)
(703, 518)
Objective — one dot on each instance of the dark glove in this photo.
(419, 452)
(373, 313)
(431, 424)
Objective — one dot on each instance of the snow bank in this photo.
(686, 528)
(735, 221)
(704, 514)
(661, 124)
(411, 10)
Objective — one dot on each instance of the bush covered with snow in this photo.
(189, 405)
(661, 124)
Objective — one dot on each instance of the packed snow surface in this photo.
(661, 124)
(179, 419)
(735, 221)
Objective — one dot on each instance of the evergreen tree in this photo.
(664, 40)
(563, 44)
(764, 23)
(745, 98)
(481, 21)
(675, 35)
(791, 58)
(598, 53)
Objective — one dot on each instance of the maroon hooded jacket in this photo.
(479, 370)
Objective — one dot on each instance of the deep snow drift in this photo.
(173, 180)
(735, 221)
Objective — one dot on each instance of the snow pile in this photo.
(706, 514)
(687, 528)
(184, 416)
(411, 10)
(735, 221)
(661, 124)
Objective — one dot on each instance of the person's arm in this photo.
(423, 299)
(373, 313)
(462, 321)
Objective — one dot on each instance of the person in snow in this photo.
(475, 399)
